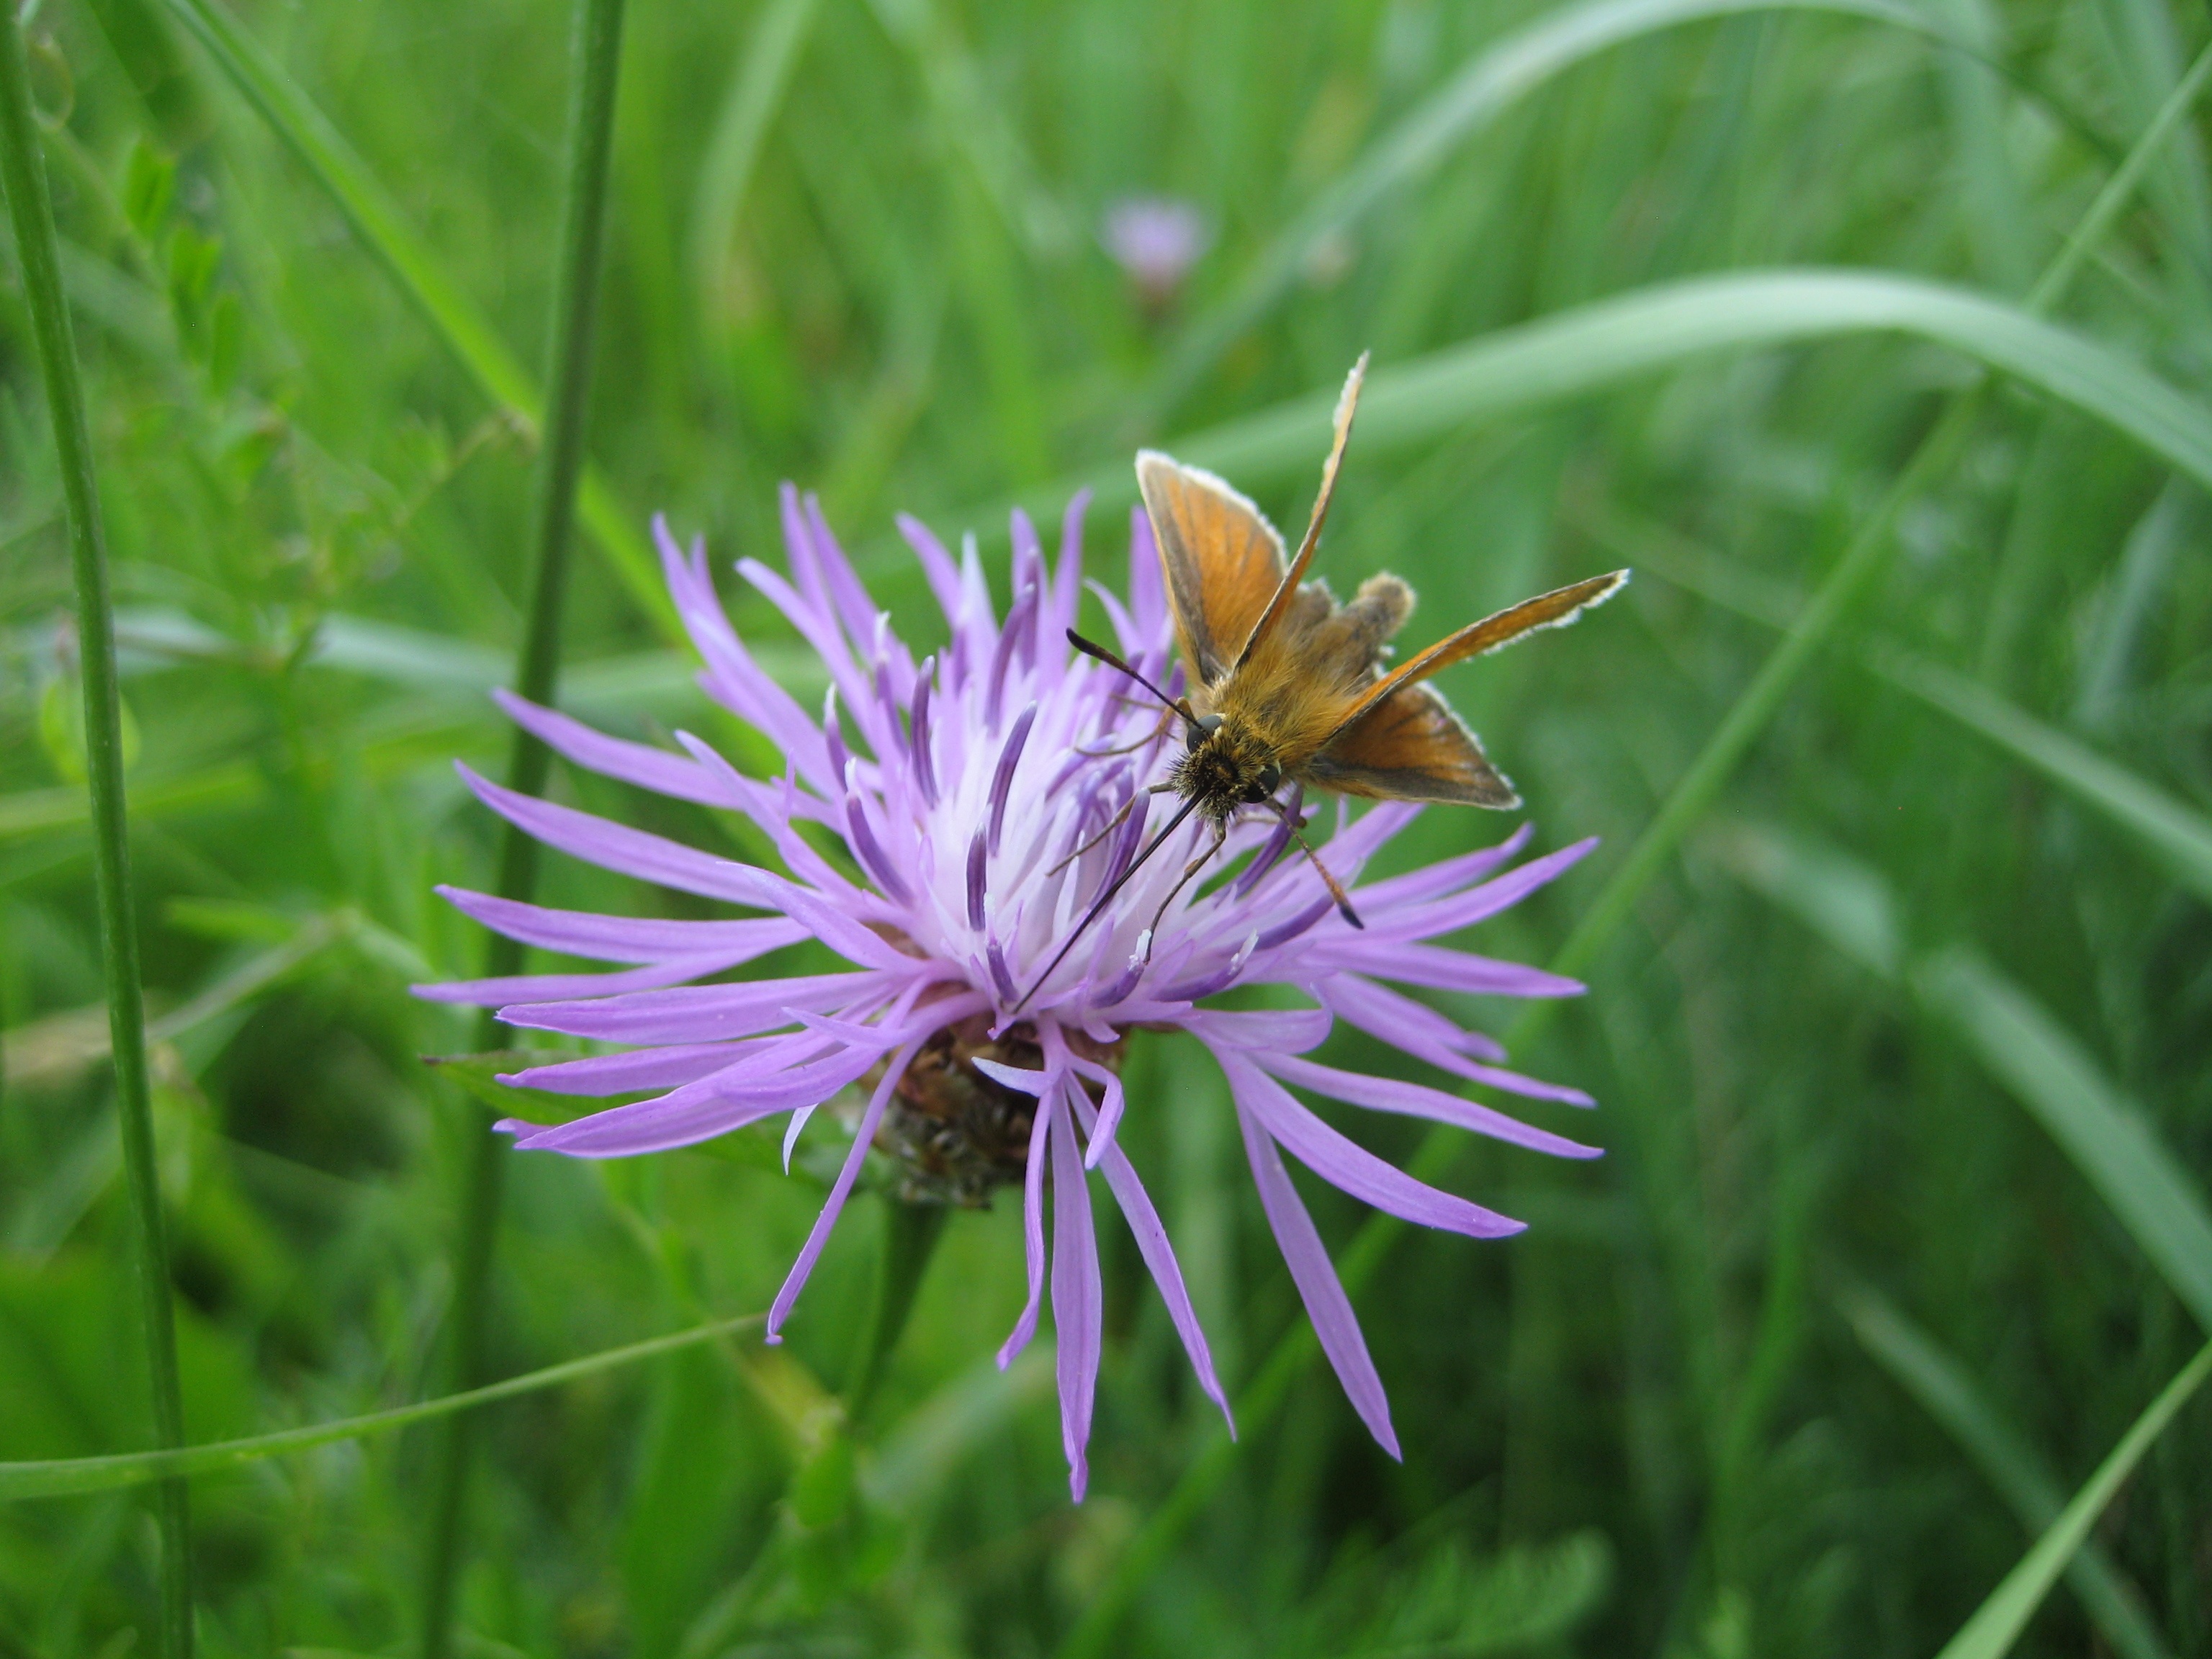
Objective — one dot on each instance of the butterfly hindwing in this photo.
(1222, 559)
(1411, 746)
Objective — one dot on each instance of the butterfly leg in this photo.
(1220, 836)
(1114, 824)
(1335, 888)
(1153, 737)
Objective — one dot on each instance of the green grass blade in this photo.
(1996, 1625)
(2122, 185)
(2177, 833)
(2008, 1462)
(2106, 1134)
(383, 230)
(1555, 358)
(1512, 372)
(772, 52)
(1489, 83)
(31, 213)
(70, 1477)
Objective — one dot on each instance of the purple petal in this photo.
(834, 1205)
(1010, 756)
(978, 852)
(833, 739)
(871, 853)
(1448, 876)
(1319, 1288)
(1444, 969)
(1100, 1136)
(1068, 579)
(925, 762)
(696, 1013)
(625, 851)
(733, 678)
(1010, 638)
(643, 1069)
(1304, 922)
(1480, 903)
(937, 565)
(1016, 1078)
(1148, 600)
(699, 1111)
(1382, 1013)
(1032, 1219)
(622, 939)
(854, 607)
(1153, 1245)
(548, 987)
(614, 757)
(1282, 1030)
(1277, 845)
(1349, 1166)
(1077, 1298)
(1414, 1100)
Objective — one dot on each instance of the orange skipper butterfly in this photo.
(1288, 685)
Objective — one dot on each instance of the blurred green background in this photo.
(1902, 1060)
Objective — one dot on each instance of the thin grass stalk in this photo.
(1686, 805)
(595, 52)
(22, 172)
(74, 1477)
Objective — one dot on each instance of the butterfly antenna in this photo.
(1347, 404)
(1103, 900)
(1092, 648)
(1335, 887)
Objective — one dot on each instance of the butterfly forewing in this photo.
(1222, 558)
(1553, 609)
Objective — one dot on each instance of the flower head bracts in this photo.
(976, 793)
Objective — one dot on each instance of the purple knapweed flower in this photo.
(1156, 239)
(961, 788)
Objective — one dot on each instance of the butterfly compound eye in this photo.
(1201, 729)
(1269, 781)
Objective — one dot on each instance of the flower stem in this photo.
(22, 171)
(596, 51)
(910, 1235)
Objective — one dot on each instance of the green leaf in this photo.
(149, 185)
(69, 1476)
(1948, 1393)
(1997, 1623)
(192, 260)
(2107, 1135)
